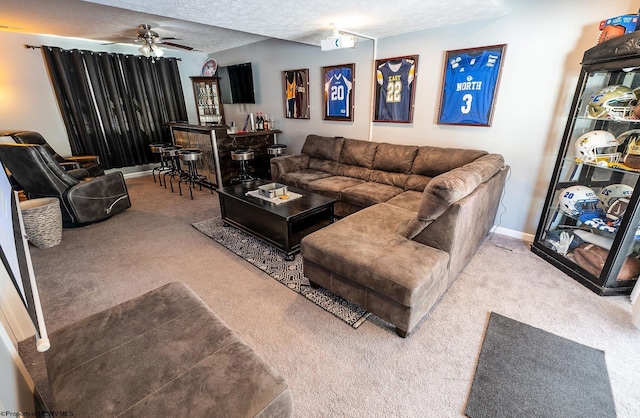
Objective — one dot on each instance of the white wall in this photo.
(545, 42)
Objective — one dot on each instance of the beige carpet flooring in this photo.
(333, 370)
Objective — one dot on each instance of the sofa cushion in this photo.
(409, 200)
(356, 172)
(417, 182)
(394, 158)
(333, 185)
(371, 249)
(369, 193)
(301, 179)
(433, 161)
(323, 147)
(392, 179)
(357, 152)
(328, 166)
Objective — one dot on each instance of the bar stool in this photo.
(244, 156)
(190, 157)
(171, 154)
(275, 150)
(156, 148)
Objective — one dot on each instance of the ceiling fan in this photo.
(150, 41)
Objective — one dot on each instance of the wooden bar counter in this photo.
(216, 145)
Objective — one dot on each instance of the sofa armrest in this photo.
(288, 164)
(447, 188)
(463, 226)
(83, 159)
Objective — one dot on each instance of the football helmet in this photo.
(612, 102)
(616, 211)
(631, 140)
(576, 200)
(597, 147)
(613, 192)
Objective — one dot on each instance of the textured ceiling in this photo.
(216, 25)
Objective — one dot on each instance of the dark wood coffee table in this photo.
(282, 225)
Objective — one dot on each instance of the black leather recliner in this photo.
(91, 163)
(81, 201)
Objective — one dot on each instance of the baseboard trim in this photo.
(137, 174)
(512, 233)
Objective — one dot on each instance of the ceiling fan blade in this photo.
(187, 48)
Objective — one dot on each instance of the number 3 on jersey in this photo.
(467, 99)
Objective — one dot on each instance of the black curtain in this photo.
(115, 105)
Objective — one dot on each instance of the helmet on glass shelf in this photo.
(613, 102)
(597, 147)
(631, 141)
(575, 200)
(613, 192)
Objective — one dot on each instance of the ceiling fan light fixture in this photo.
(145, 49)
(156, 50)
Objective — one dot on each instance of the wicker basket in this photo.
(42, 221)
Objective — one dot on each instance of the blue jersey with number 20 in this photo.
(337, 89)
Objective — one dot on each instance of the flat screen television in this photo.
(236, 84)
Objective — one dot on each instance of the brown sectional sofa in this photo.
(412, 218)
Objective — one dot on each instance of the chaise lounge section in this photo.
(413, 216)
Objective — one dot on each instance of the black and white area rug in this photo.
(289, 273)
(524, 371)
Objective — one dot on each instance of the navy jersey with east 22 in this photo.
(468, 89)
(395, 80)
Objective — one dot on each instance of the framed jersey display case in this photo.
(469, 86)
(395, 86)
(338, 82)
(296, 94)
(590, 223)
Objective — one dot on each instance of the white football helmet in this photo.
(597, 147)
(575, 200)
(612, 102)
(613, 192)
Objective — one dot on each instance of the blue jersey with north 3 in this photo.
(337, 89)
(394, 100)
(469, 87)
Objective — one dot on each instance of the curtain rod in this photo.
(40, 46)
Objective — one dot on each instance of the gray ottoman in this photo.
(164, 353)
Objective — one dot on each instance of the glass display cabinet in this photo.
(589, 227)
(208, 102)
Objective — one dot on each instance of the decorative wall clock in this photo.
(209, 68)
